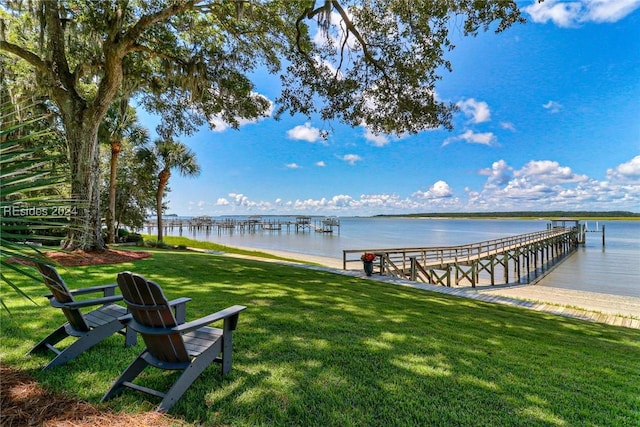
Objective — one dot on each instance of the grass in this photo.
(185, 242)
(316, 348)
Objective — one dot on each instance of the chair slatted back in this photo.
(61, 293)
(149, 307)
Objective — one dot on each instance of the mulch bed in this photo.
(79, 257)
(108, 256)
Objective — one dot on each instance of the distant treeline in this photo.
(525, 214)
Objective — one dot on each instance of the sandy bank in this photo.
(294, 256)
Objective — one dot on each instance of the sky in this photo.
(549, 119)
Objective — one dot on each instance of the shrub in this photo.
(133, 238)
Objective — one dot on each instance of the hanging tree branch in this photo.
(353, 30)
(325, 21)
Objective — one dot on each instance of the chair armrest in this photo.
(107, 290)
(179, 301)
(227, 313)
(85, 303)
(180, 308)
(125, 319)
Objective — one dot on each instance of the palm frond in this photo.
(31, 201)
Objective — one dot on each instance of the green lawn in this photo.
(211, 247)
(321, 349)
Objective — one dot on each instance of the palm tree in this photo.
(169, 154)
(120, 126)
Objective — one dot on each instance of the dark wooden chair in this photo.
(89, 328)
(171, 345)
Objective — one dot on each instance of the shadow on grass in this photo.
(316, 348)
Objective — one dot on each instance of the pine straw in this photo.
(25, 403)
(80, 257)
(108, 256)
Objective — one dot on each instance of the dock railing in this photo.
(409, 262)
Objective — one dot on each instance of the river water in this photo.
(613, 268)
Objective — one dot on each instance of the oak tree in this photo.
(363, 62)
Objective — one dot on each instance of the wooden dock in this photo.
(252, 224)
(514, 259)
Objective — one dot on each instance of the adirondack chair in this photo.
(171, 345)
(89, 328)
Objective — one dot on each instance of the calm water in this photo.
(612, 269)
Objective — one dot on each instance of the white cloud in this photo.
(537, 185)
(573, 13)
(562, 14)
(471, 137)
(549, 172)
(626, 172)
(477, 111)
(508, 126)
(499, 174)
(378, 200)
(351, 158)
(552, 106)
(377, 140)
(546, 185)
(437, 191)
(293, 166)
(338, 202)
(239, 199)
(243, 204)
(320, 164)
(305, 133)
(218, 125)
(609, 10)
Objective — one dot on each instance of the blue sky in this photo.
(549, 120)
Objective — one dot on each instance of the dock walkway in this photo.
(448, 265)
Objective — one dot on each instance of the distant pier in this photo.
(252, 224)
(511, 259)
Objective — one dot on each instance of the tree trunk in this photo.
(163, 178)
(86, 227)
(111, 212)
(81, 119)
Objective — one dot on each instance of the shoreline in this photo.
(334, 263)
(608, 304)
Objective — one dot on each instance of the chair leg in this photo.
(188, 376)
(52, 339)
(227, 351)
(130, 337)
(83, 344)
(132, 371)
(227, 346)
